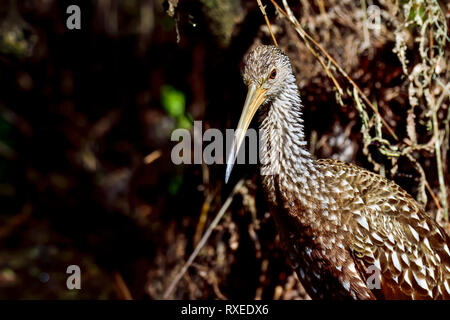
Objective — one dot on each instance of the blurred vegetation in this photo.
(174, 103)
(86, 117)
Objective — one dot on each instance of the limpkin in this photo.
(348, 232)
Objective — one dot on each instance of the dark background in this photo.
(81, 109)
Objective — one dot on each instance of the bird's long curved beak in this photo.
(255, 97)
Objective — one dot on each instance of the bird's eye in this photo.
(273, 74)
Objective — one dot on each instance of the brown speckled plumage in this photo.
(344, 228)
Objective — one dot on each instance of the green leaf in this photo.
(173, 101)
(175, 184)
(184, 122)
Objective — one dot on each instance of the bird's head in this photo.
(266, 73)
(266, 70)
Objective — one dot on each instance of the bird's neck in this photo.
(287, 164)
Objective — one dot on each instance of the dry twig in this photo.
(203, 240)
(263, 11)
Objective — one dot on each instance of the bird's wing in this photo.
(399, 250)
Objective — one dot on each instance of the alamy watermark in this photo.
(214, 147)
(74, 19)
(374, 280)
(74, 280)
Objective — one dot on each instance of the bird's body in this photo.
(348, 232)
